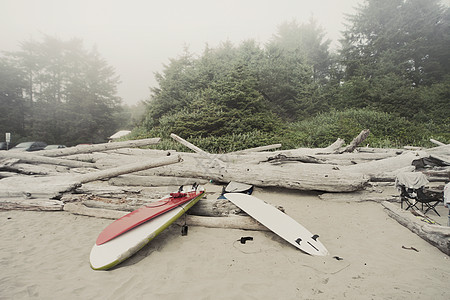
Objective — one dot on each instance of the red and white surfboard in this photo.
(146, 213)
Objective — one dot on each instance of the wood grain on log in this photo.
(99, 147)
(438, 236)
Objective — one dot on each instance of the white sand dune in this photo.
(45, 255)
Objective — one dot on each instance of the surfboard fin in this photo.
(298, 240)
(314, 237)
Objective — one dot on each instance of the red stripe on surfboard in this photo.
(142, 215)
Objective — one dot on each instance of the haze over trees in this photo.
(393, 67)
(391, 75)
(58, 92)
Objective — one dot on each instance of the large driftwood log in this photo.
(437, 142)
(99, 147)
(27, 169)
(236, 222)
(356, 141)
(53, 186)
(281, 158)
(113, 172)
(189, 145)
(80, 209)
(37, 159)
(152, 181)
(299, 176)
(31, 204)
(129, 207)
(385, 165)
(103, 189)
(213, 159)
(360, 196)
(204, 207)
(438, 236)
(390, 176)
(256, 149)
(215, 208)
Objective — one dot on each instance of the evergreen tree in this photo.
(390, 51)
(70, 94)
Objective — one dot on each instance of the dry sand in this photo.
(45, 255)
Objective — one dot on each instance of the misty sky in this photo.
(137, 37)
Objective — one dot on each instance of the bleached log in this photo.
(440, 150)
(113, 172)
(189, 145)
(256, 149)
(438, 236)
(99, 147)
(102, 189)
(152, 181)
(53, 186)
(235, 222)
(359, 196)
(129, 206)
(280, 158)
(390, 176)
(215, 208)
(437, 142)
(390, 164)
(299, 176)
(334, 146)
(30, 204)
(214, 160)
(26, 169)
(207, 208)
(315, 151)
(356, 141)
(38, 159)
(80, 209)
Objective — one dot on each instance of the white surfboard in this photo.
(280, 223)
(120, 248)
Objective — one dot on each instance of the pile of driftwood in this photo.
(108, 180)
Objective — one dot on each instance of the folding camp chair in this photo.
(411, 186)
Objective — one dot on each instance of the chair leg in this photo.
(431, 207)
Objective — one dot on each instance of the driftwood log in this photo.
(99, 147)
(38, 159)
(436, 235)
(136, 180)
(50, 187)
(256, 149)
(235, 222)
(356, 141)
(299, 176)
(43, 204)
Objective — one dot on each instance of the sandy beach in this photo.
(45, 255)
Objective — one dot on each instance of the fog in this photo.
(137, 37)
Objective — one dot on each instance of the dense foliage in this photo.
(391, 75)
(58, 92)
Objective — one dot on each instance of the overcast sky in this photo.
(137, 37)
